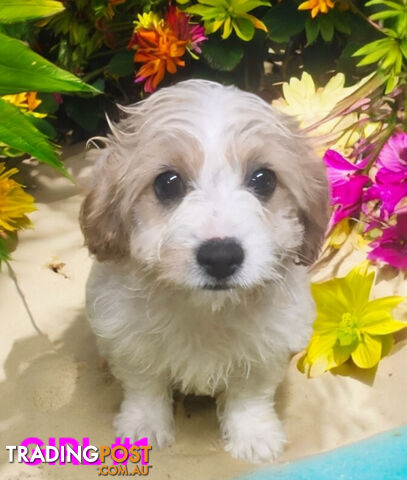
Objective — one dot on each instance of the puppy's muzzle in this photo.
(220, 257)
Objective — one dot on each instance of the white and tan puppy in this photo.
(206, 206)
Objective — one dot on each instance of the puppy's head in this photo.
(206, 187)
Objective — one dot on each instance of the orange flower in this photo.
(25, 100)
(161, 43)
(316, 6)
(160, 51)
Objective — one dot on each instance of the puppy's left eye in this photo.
(262, 182)
(169, 186)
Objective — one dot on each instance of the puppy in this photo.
(206, 206)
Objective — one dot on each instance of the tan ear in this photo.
(305, 175)
(315, 214)
(101, 218)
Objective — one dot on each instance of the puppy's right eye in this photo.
(169, 186)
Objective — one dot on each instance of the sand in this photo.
(53, 384)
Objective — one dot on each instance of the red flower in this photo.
(160, 46)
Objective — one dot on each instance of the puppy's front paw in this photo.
(255, 441)
(131, 424)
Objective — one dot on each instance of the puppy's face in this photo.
(206, 187)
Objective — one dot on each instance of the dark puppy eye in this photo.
(262, 183)
(169, 186)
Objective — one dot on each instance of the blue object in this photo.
(382, 457)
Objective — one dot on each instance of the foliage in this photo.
(23, 131)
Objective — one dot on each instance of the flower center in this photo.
(347, 331)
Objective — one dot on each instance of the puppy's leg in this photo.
(146, 411)
(249, 424)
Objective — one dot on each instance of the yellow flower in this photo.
(348, 325)
(14, 202)
(338, 235)
(316, 6)
(26, 101)
(147, 21)
(344, 230)
(309, 105)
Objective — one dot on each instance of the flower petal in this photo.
(386, 304)
(321, 345)
(341, 353)
(360, 283)
(368, 352)
(381, 323)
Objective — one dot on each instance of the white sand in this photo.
(54, 385)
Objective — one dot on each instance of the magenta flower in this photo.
(391, 247)
(392, 161)
(390, 185)
(346, 183)
(388, 194)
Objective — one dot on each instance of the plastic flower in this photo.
(391, 247)
(348, 324)
(316, 6)
(14, 202)
(25, 101)
(161, 43)
(346, 185)
(231, 15)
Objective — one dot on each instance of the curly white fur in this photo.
(158, 327)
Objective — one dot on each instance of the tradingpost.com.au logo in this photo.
(128, 459)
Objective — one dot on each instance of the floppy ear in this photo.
(307, 179)
(101, 218)
(314, 212)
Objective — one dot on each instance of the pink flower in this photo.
(390, 185)
(391, 247)
(389, 195)
(180, 24)
(392, 161)
(346, 184)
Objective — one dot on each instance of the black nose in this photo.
(220, 257)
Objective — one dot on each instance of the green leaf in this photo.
(202, 11)
(83, 112)
(121, 64)
(384, 14)
(283, 21)
(403, 48)
(17, 131)
(391, 57)
(311, 30)
(12, 11)
(249, 5)
(327, 28)
(4, 253)
(373, 57)
(391, 84)
(341, 21)
(22, 70)
(43, 126)
(389, 3)
(372, 47)
(222, 55)
(244, 28)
